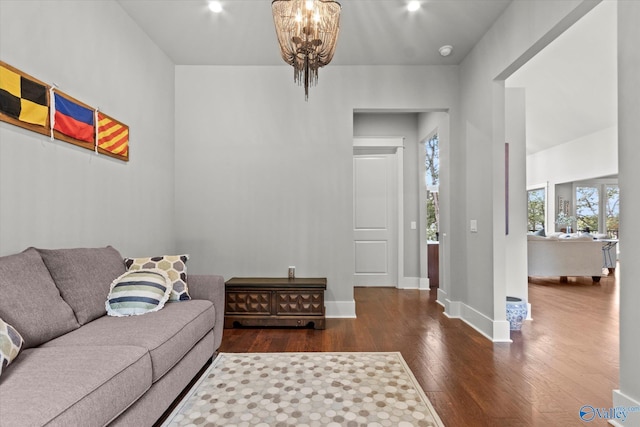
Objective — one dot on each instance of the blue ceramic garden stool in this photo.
(516, 312)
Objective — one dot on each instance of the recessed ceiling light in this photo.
(445, 50)
(215, 6)
(413, 5)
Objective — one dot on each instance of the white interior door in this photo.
(375, 217)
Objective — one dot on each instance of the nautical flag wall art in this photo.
(24, 101)
(112, 137)
(72, 121)
(31, 104)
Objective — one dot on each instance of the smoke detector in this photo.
(445, 50)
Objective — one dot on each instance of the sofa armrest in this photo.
(209, 287)
(206, 286)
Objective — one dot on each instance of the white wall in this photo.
(263, 179)
(516, 241)
(529, 26)
(53, 194)
(592, 156)
(523, 29)
(266, 178)
(629, 176)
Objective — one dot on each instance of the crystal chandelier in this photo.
(307, 33)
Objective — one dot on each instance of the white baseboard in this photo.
(494, 330)
(409, 283)
(454, 309)
(340, 309)
(442, 300)
(631, 408)
(424, 283)
(501, 331)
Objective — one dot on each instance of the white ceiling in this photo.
(571, 85)
(372, 32)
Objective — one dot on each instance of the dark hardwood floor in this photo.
(565, 358)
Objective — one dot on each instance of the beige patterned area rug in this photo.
(306, 389)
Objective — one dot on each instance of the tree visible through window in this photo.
(612, 220)
(598, 208)
(432, 166)
(587, 207)
(535, 209)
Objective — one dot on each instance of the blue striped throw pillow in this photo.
(138, 292)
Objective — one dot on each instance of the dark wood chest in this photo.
(261, 301)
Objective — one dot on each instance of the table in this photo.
(433, 261)
(269, 301)
(609, 260)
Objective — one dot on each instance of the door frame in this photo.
(396, 145)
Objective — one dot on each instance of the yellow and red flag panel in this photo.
(112, 136)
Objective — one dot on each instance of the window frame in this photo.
(601, 185)
(545, 188)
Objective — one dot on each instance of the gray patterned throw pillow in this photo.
(10, 344)
(174, 265)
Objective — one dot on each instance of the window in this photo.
(535, 209)
(612, 203)
(588, 207)
(431, 177)
(598, 208)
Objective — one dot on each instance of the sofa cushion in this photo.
(168, 334)
(30, 301)
(138, 292)
(10, 344)
(71, 386)
(174, 265)
(84, 277)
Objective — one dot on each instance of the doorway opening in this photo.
(432, 207)
(432, 185)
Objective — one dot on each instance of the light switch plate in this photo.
(473, 225)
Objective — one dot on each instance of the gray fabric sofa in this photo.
(80, 367)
